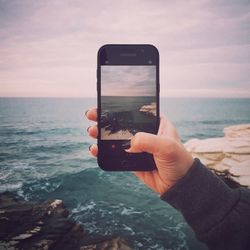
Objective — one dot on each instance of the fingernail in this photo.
(86, 112)
(88, 128)
(126, 145)
(90, 147)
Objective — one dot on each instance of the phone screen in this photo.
(128, 101)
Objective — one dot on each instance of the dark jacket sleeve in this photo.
(219, 215)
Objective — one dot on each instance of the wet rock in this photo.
(227, 156)
(115, 243)
(29, 225)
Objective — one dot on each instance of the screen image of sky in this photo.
(49, 48)
(128, 80)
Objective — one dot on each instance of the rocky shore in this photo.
(46, 225)
(29, 225)
(228, 156)
(149, 109)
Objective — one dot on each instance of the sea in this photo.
(123, 113)
(44, 155)
(125, 103)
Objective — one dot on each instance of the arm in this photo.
(219, 215)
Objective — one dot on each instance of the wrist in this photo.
(182, 168)
(188, 163)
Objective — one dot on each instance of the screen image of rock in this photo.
(128, 101)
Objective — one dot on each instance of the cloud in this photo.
(48, 48)
(128, 80)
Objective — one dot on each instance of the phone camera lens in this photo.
(149, 62)
(106, 62)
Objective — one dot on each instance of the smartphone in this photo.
(128, 102)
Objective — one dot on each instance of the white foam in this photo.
(129, 211)
(81, 208)
(127, 228)
(10, 187)
(23, 166)
(4, 176)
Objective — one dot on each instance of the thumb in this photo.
(145, 142)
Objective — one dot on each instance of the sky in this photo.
(128, 80)
(49, 48)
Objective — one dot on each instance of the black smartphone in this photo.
(128, 102)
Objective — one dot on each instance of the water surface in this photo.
(44, 155)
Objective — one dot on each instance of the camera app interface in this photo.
(128, 101)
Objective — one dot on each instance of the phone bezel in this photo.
(144, 53)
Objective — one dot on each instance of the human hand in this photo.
(171, 158)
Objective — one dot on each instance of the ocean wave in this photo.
(103, 209)
(27, 131)
(4, 175)
(215, 122)
(15, 174)
(129, 211)
(45, 156)
(57, 147)
(81, 208)
(10, 187)
(129, 229)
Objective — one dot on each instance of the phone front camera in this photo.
(149, 62)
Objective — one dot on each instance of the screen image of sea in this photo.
(128, 101)
(124, 116)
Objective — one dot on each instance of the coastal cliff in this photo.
(227, 156)
(29, 225)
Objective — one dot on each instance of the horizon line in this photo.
(92, 97)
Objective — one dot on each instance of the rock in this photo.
(115, 243)
(241, 169)
(149, 109)
(22, 236)
(229, 154)
(29, 225)
(238, 131)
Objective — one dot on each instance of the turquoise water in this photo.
(44, 155)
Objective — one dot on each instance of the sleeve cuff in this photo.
(202, 198)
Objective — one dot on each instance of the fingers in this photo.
(145, 142)
(139, 174)
(141, 142)
(91, 114)
(93, 149)
(93, 131)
